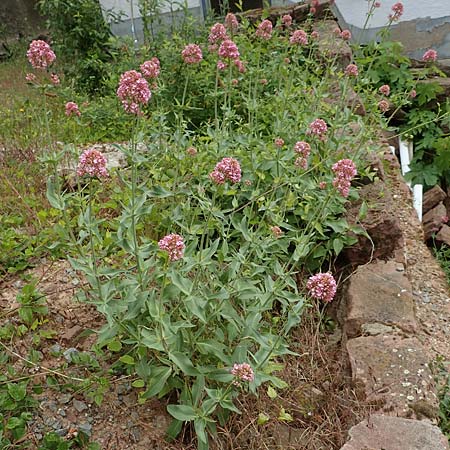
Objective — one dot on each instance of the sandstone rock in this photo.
(433, 220)
(379, 293)
(444, 235)
(393, 373)
(432, 197)
(393, 433)
(381, 224)
(330, 46)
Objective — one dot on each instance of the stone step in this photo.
(393, 433)
(379, 293)
(393, 373)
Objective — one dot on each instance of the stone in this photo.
(71, 333)
(381, 223)
(393, 373)
(69, 353)
(378, 293)
(433, 220)
(432, 197)
(79, 405)
(86, 428)
(329, 46)
(443, 235)
(352, 100)
(373, 329)
(394, 433)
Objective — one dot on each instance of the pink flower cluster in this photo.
(351, 70)
(318, 127)
(430, 55)
(243, 372)
(303, 149)
(345, 171)
(276, 231)
(217, 34)
(383, 106)
(192, 54)
(72, 109)
(385, 90)
(228, 50)
(322, 286)
(397, 12)
(279, 142)
(55, 79)
(299, 37)
(40, 54)
(264, 30)
(240, 65)
(133, 91)
(173, 244)
(231, 22)
(30, 77)
(346, 35)
(151, 68)
(92, 163)
(286, 20)
(227, 169)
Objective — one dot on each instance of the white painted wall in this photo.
(355, 11)
(130, 8)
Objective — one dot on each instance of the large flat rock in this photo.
(393, 433)
(379, 293)
(393, 373)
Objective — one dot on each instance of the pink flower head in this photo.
(315, 35)
(217, 34)
(301, 163)
(337, 31)
(377, 4)
(133, 91)
(279, 142)
(240, 65)
(318, 127)
(299, 37)
(173, 244)
(264, 30)
(287, 60)
(192, 151)
(192, 54)
(55, 79)
(263, 81)
(385, 90)
(234, 82)
(227, 169)
(286, 20)
(345, 171)
(221, 65)
(346, 35)
(151, 69)
(243, 372)
(413, 93)
(40, 54)
(383, 106)
(228, 50)
(397, 11)
(72, 109)
(231, 22)
(322, 286)
(92, 163)
(30, 77)
(322, 185)
(302, 148)
(276, 231)
(351, 70)
(430, 55)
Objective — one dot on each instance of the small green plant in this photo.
(33, 304)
